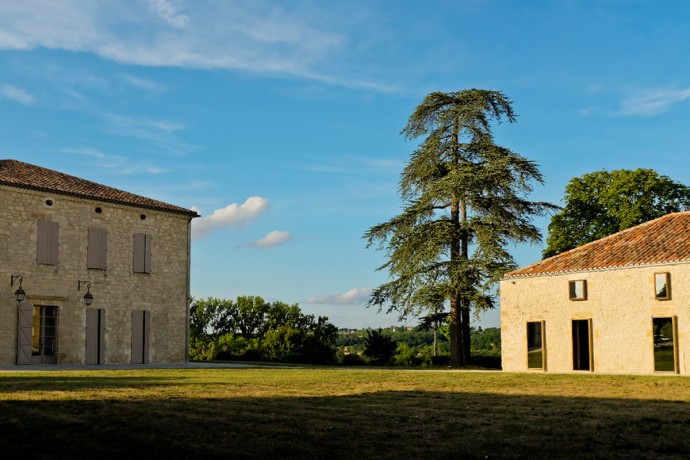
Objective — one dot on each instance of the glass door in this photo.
(44, 335)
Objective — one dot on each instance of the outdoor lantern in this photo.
(88, 297)
(19, 294)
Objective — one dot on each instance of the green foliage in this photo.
(415, 347)
(488, 339)
(251, 328)
(379, 347)
(405, 356)
(601, 203)
(464, 203)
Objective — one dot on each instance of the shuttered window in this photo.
(97, 251)
(47, 242)
(142, 253)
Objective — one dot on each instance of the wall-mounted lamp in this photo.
(88, 297)
(19, 294)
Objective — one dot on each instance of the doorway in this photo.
(95, 336)
(44, 335)
(140, 336)
(582, 345)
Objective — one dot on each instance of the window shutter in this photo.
(147, 253)
(48, 238)
(54, 240)
(142, 253)
(24, 333)
(97, 251)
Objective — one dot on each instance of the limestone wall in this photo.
(116, 289)
(621, 304)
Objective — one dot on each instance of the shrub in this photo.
(490, 359)
(353, 359)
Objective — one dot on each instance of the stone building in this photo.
(620, 304)
(92, 274)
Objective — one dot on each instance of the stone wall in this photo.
(621, 304)
(116, 289)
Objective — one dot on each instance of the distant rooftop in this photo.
(659, 241)
(15, 173)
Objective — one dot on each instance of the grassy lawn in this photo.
(339, 413)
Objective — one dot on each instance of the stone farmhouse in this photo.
(92, 274)
(620, 304)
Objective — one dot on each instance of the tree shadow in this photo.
(387, 424)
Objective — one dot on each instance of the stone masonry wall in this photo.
(116, 289)
(621, 304)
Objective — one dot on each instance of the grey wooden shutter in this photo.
(142, 253)
(140, 336)
(147, 253)
(54, 233)
(24, 333)
(47, 242)
(95, 336)
(97, 250)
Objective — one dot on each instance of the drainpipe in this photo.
(189, 288)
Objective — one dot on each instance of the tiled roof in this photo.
(662, 240)
(18, 174)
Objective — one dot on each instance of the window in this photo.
(142, 253)
(97, 249)
(578, 290)
(662, 286)
(665, 348)
(536, 357)
(47, 242)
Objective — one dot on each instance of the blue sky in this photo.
(279, 120)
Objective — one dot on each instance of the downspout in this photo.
(188, 295)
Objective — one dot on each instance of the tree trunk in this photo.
(456, 339)
(464, 301)
(455, 333)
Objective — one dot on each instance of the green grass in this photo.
(340, 413)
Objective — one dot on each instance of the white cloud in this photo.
(652, 102)
(16, 94)
(166, 11)
(274, 238)
(353, 296)
(233, 215)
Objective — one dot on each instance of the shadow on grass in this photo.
(387, 424)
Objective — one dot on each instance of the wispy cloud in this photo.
(160, 133)
(257, 37)
(117, 163)
(353, 296)
(652, 102)
(356, 165)
(233, 215)
(143, 83)
(273, 238)
(16, 94)
(168, 12)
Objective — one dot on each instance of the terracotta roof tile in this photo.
(663, 240)
(18, 174)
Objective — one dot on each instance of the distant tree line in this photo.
(250, 328)
(415, 347)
